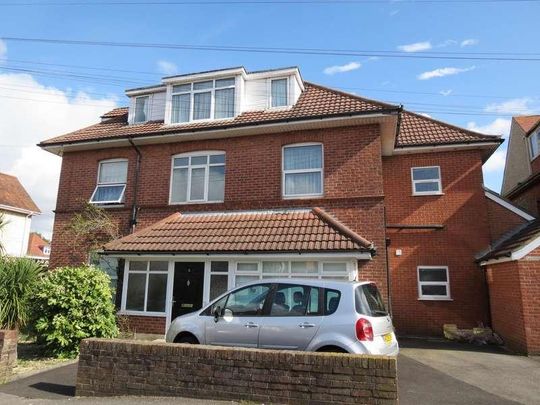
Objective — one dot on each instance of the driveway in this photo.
(430, 372)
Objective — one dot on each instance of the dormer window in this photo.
(534, 142)
(141, 109)
(279, 92)
(210, 99)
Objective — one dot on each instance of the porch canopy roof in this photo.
(285, 231)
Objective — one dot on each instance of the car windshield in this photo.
(368, 301)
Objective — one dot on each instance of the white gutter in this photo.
(307, 255)
(439, 148)
(18, 210)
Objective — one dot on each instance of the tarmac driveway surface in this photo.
(429, 372)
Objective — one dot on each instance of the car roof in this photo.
(337, 284)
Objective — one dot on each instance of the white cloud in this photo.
(424, 115)
(166, 67)
(446, 92)
(446, 43)
(495, 164)
(469, 42)
(332, 70)
(441, 72)
(515, 106)
(416, 47)
(32, 112)
(500, 126)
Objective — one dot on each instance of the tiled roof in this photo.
(527, 122)
(264, 231)
(36, 244)
(315, 102)
(522, 237)
(417, 130)
(13, 194)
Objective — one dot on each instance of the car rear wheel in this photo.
(186, 338)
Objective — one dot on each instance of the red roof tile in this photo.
(284, 231)
(316, 101)
(527, 122)
(13, 194)
(36, 244)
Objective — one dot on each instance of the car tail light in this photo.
(364, 330)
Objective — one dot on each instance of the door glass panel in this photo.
(218, 285)
(157, 291)
(248, 301)
(135, 293)
(219, 267)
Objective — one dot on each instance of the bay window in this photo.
(111, 183)
(302, 170)
(198, 177)
(210, 99)
(146, 286)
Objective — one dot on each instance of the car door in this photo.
(294, 317)
(240, 315)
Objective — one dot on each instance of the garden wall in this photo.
(122, 367)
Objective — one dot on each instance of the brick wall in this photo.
(114, 367)
(8, 353)
(529, 199)
(462, 210)
(146, 324)
(501, 219)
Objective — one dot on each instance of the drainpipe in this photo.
(388, 275)
(134, 208)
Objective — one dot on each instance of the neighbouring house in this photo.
(222, 177)
(38, 247)
(17, 209)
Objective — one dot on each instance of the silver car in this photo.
(293, 314)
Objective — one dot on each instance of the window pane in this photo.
(334, 268)
(141, 109)
(224, 103)
(433, 275)
(219, 267)
(289, 300)
(181, 161)
(304, 267)
(216, 183)
(225, 82)
(279, 92)
(426, 187)
(248, 301)
(199, 160)
(108, 194)
(159, 266)
(113, 172)
(313, 305)
(275, 268)
(303, 183)
(246, 267)
(197, 184)
(425, 173)
(368, 301)
(181, 88)
(303, 157)
(331, 301)
(437, 290)
(218, 285)
(216, 159)
(241, 280)
(201, 105)
(181, 106)
(135, 292)
(157, 291)
(138, 265)
(179, 185)
(203, 85)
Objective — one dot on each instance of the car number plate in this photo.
(387, 338)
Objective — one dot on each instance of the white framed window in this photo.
(141, 109)
(111, 182)
(219, 278)
(426, 180)
(198, 177)
(248, 271)
(534, 144)
(146, 286)
(279, 92)
(302, 169)
(209, 99)
(433, 283)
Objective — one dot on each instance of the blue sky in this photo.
(481, 94)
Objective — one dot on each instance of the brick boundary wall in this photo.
(8, 353)
(124, 367)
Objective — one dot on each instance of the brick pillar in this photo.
(8, 352)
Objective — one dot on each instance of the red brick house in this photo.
(221, 177)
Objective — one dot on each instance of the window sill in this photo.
(196, 202)
(141, 313)
(434, 299)
(426, 194)
(302, 197)
(108, 206)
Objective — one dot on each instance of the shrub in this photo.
(71, 304)
(18, 278)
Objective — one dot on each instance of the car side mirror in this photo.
(217, 313)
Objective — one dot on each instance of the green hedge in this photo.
(71, 304)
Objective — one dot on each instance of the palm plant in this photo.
(18, 277)
(3, 224)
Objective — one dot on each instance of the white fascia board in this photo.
(146, 90)
(278, 73)
(300, 255)
(442, 148)
(18, 210)
(516, 254)
(509, 206)
(202, 76)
